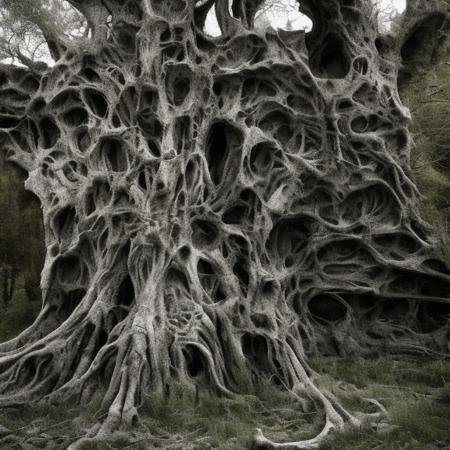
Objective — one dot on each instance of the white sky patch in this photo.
(211, 24)
(284, 14)
(393, 5)
(388, 9)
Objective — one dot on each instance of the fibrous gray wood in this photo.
(216, 209)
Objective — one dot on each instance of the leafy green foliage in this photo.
(27, 27)
(428, 97)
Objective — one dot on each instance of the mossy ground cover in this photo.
(415, 393)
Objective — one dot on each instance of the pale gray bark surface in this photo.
(217, 209)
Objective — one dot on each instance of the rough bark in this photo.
(216, 209)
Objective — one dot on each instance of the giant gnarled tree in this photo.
(217, 209)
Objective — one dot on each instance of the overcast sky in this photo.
(279, 19)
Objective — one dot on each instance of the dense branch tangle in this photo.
(216, 209)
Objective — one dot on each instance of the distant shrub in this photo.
(428, 97)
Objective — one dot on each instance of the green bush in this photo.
(428, 97)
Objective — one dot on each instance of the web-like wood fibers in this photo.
(217, 209)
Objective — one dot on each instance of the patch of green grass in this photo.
(370, 439)
(424, 419)
(444, 393)
(60, 426)
(227, 424)
(363, 372)
(414, 391)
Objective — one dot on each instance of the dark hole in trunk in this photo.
(204, 233)
(433, 315)
(96, 102)
(194, 361)
(254, 347)
(126, 295)
(223, 138)
(327, 309)
(49, 132)
(114, 155)
(65, 222)
(70, 301)
(334, 61)
(75, 117)
(217, 151)
(8, 122)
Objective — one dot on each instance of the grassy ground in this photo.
(416, 394)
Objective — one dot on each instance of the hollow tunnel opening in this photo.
(97, 102)
(217, 151)
(193, 361)
(334, 61)
(327, 309)
(49, 132)
(126, 293)
(114, 155)
(256, 350)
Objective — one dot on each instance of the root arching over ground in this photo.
(217, 209)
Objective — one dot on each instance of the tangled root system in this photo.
(217, 209)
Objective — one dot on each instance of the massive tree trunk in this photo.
(217, 209)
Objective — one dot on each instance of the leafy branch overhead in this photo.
(33, 30)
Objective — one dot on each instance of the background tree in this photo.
(21, 236)
(218, 209)
(424, 83)
(279, 11)
(10, 258)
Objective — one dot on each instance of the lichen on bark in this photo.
(218, 209)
